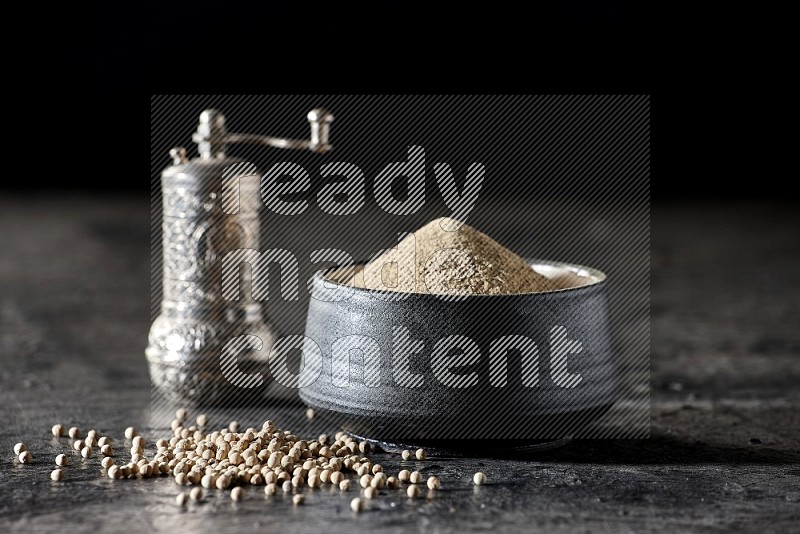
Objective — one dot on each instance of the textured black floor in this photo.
(724, 452)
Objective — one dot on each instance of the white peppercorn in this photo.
(357, 504)
(86, 452)
(370, 493)
(105, 440)
(271, 489)
(378, 481)
(237, 494)
(413, 491)
(56, 475)
(337, 477)
(106, 450)
(107, 462)
(180, 413)
(404, 475)
(138, 441)
(286, 486)
(194, 476)
(113, 472)
(392, 483)
(415, 477)
(344, 485)
(421, 454)
(62, 459)
(196, 494)
(298, 499)
(406, 454)
(74, 432)
(130, 432)
(434, 483)
(479, 478)
(181, 499)
(19, 448)
(202, 420)
(58, 430)
(78, 445)
(365, 481)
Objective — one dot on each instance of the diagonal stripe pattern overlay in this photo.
(562, 178)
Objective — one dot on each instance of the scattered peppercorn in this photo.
(113, 472)
(357, 504)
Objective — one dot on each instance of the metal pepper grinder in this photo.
(201, 223)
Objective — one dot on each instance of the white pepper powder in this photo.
(463, 262)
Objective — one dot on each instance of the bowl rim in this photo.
(583, 271)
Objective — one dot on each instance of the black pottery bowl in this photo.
(451, 372)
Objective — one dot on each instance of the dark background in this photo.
(239, 47)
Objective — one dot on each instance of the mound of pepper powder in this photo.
(438, 260)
